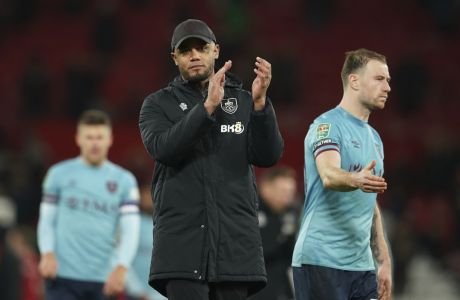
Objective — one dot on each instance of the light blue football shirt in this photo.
(90, 201)
(336, 226)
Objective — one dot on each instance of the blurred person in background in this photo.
(341, 231)
(22, 241)
(205, 133)
(85, 201)
(10, 264)
(278, 215)
(137, 287)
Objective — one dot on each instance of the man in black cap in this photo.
(205, 133)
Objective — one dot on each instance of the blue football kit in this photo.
(336, 226)
(85, 212)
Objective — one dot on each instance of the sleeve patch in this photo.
(324, 145)
(323, 130)
(322, 142)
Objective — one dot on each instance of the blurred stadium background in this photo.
(59, 57)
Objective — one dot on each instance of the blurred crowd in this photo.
(60, 57)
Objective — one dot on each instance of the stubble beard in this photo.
(372, 107)
(378, 104)
(197, 77)
(372, 104)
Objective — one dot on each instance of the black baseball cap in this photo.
(191, 28)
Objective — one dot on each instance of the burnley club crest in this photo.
(111, 186)
(229, 105)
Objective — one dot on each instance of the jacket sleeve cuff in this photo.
(263, 112)
(211, 117)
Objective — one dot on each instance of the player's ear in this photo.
(173, 56)
(216, 51)
(353, 81)
(110, 139)
(77, 139)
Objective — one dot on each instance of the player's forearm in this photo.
(130, 229)
(337, 179)
(379, 244)
(45, 229)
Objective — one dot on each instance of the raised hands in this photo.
(216, 88)
(263, 70)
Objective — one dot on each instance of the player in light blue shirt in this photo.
(89, 205)
(341, 231)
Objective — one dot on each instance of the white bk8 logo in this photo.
(237, 128)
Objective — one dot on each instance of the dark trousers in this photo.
(179, 289)
(67, 289)
(322, 283)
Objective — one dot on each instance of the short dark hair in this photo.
(277, 172)
(94, 117)
(357, 59)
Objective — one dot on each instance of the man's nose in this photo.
(387, 86)
(194, 53)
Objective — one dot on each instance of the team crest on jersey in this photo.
(229, 105)
(322, 131)
(111, 186)
(183, 106)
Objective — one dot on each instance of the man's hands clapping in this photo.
(216, 88)
(263, 70)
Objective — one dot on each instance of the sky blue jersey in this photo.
(336, 226)
(90, 201)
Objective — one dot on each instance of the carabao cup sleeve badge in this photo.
(322, 131)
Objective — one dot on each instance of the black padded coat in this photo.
(204, 189)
